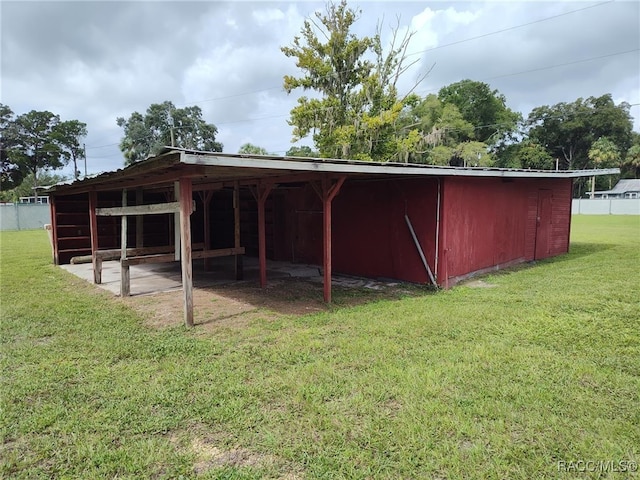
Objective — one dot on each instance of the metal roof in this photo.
(212, 167)
(623, 186)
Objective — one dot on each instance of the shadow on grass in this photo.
(300, 296)
(236, 304)
(582, 249)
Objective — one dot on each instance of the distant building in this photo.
(43, 200)
(627, 188)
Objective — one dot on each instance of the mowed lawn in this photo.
(509, 382)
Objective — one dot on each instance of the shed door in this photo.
(543, 224)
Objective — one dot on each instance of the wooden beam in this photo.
(139, 219)
(125, 279)
(114, 254)
(219, 252)
(176, 220)
(186, 204)
(208, 187)
(155, 209)
(261, 193)
(93, 232)
(420, 251)
(329, 190)
(158, 175)
(236, 231)
(158, 258)
(54, 229)
(168, 257)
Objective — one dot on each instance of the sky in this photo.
(95, 61)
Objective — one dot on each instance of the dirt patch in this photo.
(479, 284)
(211, 456)
(235, 305)
(211, 452)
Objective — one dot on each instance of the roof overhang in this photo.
(225, 168)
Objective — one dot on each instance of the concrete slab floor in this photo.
(163, 277)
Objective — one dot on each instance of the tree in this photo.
(68, 135)
(604, 154)
(40, 141)
(455, 129)
(356, 113)
(483, 108)
(26, 187)
(445, 137)
(250, 149)
(527, 154)
(36, 141)
(471, 154)
(165, 125)
(303, 151)
(335, 69)
(568, 130)
(631, 164)
(10, 173)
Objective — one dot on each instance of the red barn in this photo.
(415, 223)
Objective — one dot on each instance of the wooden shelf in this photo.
(71, 250)
(81, 237)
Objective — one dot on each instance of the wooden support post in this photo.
(327, 192)
(186, 205)
(54, 230)
(139, 220)
(125, 278)
(206, 202)
(236, 229)
(176, 220)
(261, 193)
(93, 231)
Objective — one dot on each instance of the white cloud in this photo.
(268, 15)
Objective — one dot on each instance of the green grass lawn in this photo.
(501, 382)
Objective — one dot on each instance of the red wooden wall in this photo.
(492, 222)
(370, 237)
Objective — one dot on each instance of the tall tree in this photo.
(69, 136)
(10, 173)
(34, 145)
(482, 107)
(165, 125)
(568, 130)
(334, 68)
(356, 108)
(36, 141)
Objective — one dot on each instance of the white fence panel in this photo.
(605, 206)
(24, 216)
